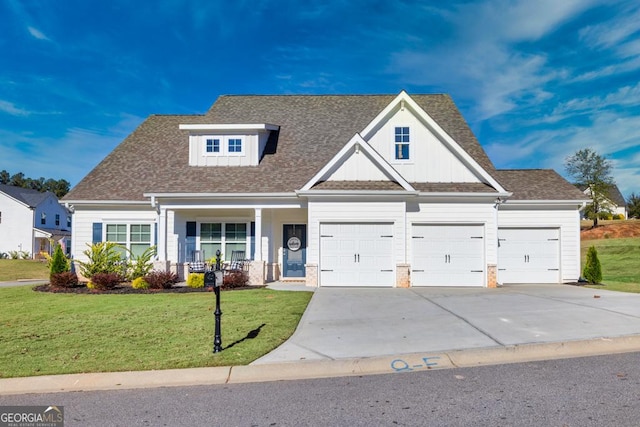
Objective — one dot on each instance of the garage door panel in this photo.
(356, 254)
(447, 255)
(529, 255)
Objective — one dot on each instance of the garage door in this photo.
(447, 255)
(528, 255)
(356, 255)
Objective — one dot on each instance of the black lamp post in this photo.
(217, 282)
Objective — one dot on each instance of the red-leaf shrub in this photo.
(235, 279)
(105, 281)
(65, 279)
(161, 279)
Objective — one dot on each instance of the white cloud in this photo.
(10, 108)
(37, 33)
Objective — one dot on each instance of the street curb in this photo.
(318, 369)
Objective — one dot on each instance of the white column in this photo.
(162, 235)
(258, 234)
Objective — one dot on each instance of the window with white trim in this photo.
(135, 237)
(401, 148)
(234, 145)
(226, 237)
(212, 146)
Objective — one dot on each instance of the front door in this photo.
(294, 239)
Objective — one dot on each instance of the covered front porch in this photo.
(273, 238)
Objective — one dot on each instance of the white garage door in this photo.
(528, 255)
(356, 255)
(447, 255)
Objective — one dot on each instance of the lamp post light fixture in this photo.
(214, 277)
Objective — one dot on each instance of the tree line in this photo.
(59, 187)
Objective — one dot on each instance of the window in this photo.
(57, 219)
(235, 145)
(43, 218)
(134, 237)
(68, 222)
(402, 143)
(213, 145)
(226, 237)
(0, 217)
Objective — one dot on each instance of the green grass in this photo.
(15, 269)
(46, 333)
(620, 259)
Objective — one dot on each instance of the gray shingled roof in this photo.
(537, 184)
(313, 128)
(29, 197)
(613, 194)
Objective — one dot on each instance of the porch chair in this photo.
(237, 262)
(197, 265)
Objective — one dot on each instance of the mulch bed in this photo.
(124, 289)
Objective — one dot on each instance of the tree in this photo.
(592, 271)
(5, 177)
(593, 171)
(633, 206)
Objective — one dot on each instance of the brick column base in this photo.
(311, 275)
(492, 276)
(403, 275)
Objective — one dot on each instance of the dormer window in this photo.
(235, 145)
(401, 143)
(213, 145)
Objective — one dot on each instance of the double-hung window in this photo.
(134, 237)
(226, 237)
(401, 148)
(58, 219)
(43, 218)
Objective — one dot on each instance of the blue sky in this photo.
(536, 80)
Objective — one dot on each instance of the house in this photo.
(32, 222)
(362, 190)
(612, 202)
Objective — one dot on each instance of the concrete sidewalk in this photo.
(349, 331)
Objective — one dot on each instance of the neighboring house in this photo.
(613, 202)
(363, 190)
(31, 221)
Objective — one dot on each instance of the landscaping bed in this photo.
(127, 289)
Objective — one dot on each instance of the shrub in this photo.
(14, 254)
(605, 215)
(592, 271)
(104, 257)
(162, 279)
(141, 265)
(618, 216)
(4, 255)
(139, 283)
(235, 279)
(65, 279)
(105, 281)
(195, 280)
(59, 262)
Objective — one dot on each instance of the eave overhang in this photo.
(229, 127)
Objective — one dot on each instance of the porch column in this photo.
(162, 235)
(258, 234)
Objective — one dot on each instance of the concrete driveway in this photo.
(342, 323)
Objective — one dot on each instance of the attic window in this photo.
(235, 145)
(43, 218)
(401, 148)
(213, 145)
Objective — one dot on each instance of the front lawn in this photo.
(15, 269)
(620, 259)
(46, 333)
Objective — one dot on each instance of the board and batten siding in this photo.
(16, 229)
(252, 146)
(568, 221)
(83, 221)
(430, 160)
(456, 213)
(360, 212)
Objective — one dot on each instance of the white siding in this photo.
(83, 220)
(253, 146)
(566, 220)
(360, 212)
(430, 160)
(280, 217)
(16, 228)
(358, 167)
